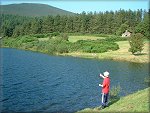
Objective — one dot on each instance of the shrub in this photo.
(51, 48)
(113, 46)
(28, 45)
(99, 49)
(41, 45)
(39, 36)
(26, 39)
(114, 92)
(147, 80)
(87, 49)
(62, 48)
(115, 38)
(96, 46)
(55, 34)
(101, 35)
(74, 47)
(136, 43)
(64, 36)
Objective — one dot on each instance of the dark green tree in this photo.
(84, 22)
(94, 24)
(63, 21)
(17, 31)
(64, 36)
(122, 29)
(136, 43)
(48, 24)
(69, 24)
(57, 20)
(108, 22)
(62, 48)
(143, 26)
(76, 23)
(36, 26)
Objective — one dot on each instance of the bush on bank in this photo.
(60, 44)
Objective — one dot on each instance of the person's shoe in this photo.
(102, 107)
(106, 106)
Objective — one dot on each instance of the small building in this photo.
(126, 34)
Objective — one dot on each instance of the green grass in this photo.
(43, 39)
(136, 102)
(76, 38)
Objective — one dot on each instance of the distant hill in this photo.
(32, 9)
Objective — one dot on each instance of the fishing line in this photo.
(97, 66)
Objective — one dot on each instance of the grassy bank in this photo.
(121, 54)
(136, 102)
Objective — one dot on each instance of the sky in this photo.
(78, 6)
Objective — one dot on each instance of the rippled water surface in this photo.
(37, 82)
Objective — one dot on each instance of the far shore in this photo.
(133, 59)
(120, 55)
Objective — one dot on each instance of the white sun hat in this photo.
(106, 73)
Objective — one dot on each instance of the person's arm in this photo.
(101, 75)
(104, 82)
(103, 78)
(101, 85)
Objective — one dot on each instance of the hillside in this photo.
(32, 9)
(136, 102)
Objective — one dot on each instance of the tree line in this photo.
(109, 22)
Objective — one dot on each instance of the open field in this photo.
(43, 39)
(136, 102)
(121, 54)
(76, 38)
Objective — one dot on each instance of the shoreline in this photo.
(121, 54)
(123, 104)
(102, 57)
(98, 56)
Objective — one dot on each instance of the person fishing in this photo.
(105, 89)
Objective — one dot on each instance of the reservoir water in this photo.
(31, 82)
